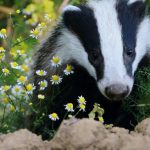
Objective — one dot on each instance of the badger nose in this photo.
(116, 91)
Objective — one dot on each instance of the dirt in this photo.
(82, 134)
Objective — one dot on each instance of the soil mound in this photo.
(81, 134)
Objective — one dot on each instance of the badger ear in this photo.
(138, 7)
(71, 16)
(70, 8)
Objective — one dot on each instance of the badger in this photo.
(104, 41)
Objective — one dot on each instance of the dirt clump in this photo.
(81, 134)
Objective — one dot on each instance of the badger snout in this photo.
(117, 91)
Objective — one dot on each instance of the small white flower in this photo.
(41, 97)
(43, 84)
(69, 107)
(41, 72)
(56, 79)
(17, 90)
(68, 70)
(3, 33)
(53, 117)
(82, 107)
(4, 88)
(30, 87)
(55, 61)
(5, 71)
(14, 65)
(2, 50)
(81, 100)
(35, 33)
(48, 17)
(22, 80)
(42, 25)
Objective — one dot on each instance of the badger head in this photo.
(108, 38)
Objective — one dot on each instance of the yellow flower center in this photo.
(5, 100)
(43, 24)
(2, 49)
(69, 68)
(6, 87)
(43, 84)
(36, 32)
(82, 106)
(17, 89)
(22, 79)
(3, 31)
(56, 60)
(54, 115)
(70, 105)
(25, 68)
(29, 87)
(55, 78)
(81, 99)
(6, 71)
(14, 64)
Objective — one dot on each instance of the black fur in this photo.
(84, 25)
(130, 16)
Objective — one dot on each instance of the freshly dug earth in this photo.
(82, 134)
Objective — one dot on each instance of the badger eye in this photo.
(95, 54)
(130, 52)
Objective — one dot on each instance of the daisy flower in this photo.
(56, 79)
(41, 97)
(2, 50)
(25, 68)
(42, 25)
(55, 61)
(22, 80)
(16, 90)
(81, 100)
(3, 33)
(68, 70)
(4, 88)
(82, 107)
(43, 84)
(41, 72)
(30, 87)
(21, 52)
(69, 107)
(14, 65)
(47, 17)
(53, 117)
(35, 33)
(5, 100)
(5, 71)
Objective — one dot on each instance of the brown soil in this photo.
(82, 134)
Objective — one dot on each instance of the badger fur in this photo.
(104, 41)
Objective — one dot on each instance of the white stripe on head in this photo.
(143, 42)
(71, 48)
(133, 1)
(111, 44)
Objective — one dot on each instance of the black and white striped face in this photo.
(109, 38)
